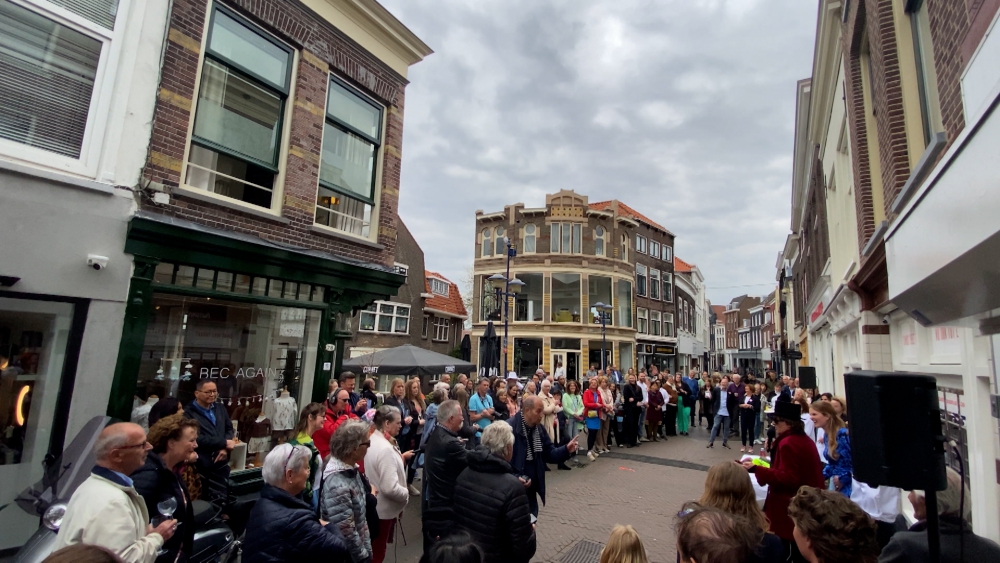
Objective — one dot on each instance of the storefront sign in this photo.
(369, 369)
(817, 312)
(664, 350)
(449, 369)
(241, 373)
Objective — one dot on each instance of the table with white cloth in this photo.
(760, 490)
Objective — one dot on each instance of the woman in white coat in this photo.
(385, 468)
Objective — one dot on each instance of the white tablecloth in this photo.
(761, 490)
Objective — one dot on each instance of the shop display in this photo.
(285, 411)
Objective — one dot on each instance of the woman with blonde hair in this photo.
(608, 416)
(728, 488)
(836, 447)
(624, 546)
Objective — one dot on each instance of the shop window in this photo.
(441, 326)
(640, 244)
(654, 323)
(565, 298)
(487, 243)
(654, 249)
(654, 284)
(352, 137)
(668, 324)
(261, 357)
(642, 319)
(501, 242)
(244, 87)
(599, 291)
(668, 286)
(529, 302)
(48, 77)
(565, 238)
(179, 275)
(527, 355)
(640, 280)
(624, 303)
(439, 287)
(530, 233)
(385, 318)
(599, 242)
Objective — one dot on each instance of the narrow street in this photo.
(643, 486)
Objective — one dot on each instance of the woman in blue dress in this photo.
(837, 447)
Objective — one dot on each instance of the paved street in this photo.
(641, 486)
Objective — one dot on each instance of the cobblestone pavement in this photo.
(643, 486)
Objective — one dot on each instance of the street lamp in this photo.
(504, 288)
(603, 310)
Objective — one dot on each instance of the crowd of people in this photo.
(337, 489)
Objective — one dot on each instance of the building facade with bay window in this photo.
(212, 195)
(571, 256)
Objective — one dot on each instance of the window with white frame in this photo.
(385, 318)
(640, 244)
(439, 287)
(240, 111)
(642, 315)
(565, 238)
(668, 324)
(640, 280)
(668, 286)
(50, 74)
(654, 284)
(441, 326)
(352, 138)
(501, 244)
(530, 234)
(599, 240)
(654, 249)
(487, 242)
(668, 254)
(654, 322)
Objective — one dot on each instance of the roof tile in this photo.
(451, 304)
(628, 212)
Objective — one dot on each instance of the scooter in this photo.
(214, 541)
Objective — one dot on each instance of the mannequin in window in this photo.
(285, 414)
(260, 437)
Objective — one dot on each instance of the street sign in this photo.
(793, 355)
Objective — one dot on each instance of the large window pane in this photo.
(527, 356)
(576, 238)
(101, 12)
(343, 213)
(599, 291)
(489, 304)
(566, 298)
(624, 303)
(348, 162)
(47, 74)
(554, 238)
(349, 108)
(222, 174)
(529, 302)
(239, 44)
(566, 234)
(238, 115)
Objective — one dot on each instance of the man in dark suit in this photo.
(533, 449)
(215, 439)
(445, 458)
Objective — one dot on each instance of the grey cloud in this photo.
(682, 109)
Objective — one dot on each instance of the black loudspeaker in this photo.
(807, 377)
(896, 437)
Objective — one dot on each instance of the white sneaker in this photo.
(414, 491)
(591, 456)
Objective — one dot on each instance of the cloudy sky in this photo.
(682, 109)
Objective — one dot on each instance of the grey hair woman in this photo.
(283, 527)
(345, 491)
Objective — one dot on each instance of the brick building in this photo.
(427, 310)
(737, 324)
(571, 255)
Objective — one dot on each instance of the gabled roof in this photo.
(451, 304)
(628, 212)
(681, 266)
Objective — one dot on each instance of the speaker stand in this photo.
(933, 530)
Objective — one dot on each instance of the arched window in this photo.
(487, 243)
(501, 245)
(529, 237)
(599, 234)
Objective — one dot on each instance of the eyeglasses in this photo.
(212, 392)
(289, 458)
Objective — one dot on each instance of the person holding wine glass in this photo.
(174, 439)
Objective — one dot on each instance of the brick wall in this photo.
(853, 31)
(323, 49)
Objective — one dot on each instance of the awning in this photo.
(407, 360)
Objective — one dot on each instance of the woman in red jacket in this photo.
(593, 409)
(795, 464)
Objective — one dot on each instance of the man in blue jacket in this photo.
(533, 449)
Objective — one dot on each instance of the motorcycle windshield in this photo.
(68, 471)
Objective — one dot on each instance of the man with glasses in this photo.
(106, 510)
(338, 409)
(215, 439)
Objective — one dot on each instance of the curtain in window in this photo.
(47, 74)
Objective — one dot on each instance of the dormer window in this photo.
(439, 287)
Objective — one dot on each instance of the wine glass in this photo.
(166, 508)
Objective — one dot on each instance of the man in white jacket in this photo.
(106, 510)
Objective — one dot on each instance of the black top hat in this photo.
(786, 410)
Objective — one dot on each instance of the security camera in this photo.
(885, 319)
(97, 262)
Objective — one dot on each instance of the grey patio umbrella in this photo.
(407, 360)
(489, 352)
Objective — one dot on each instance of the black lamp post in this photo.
(603, 310)
(504, 288)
